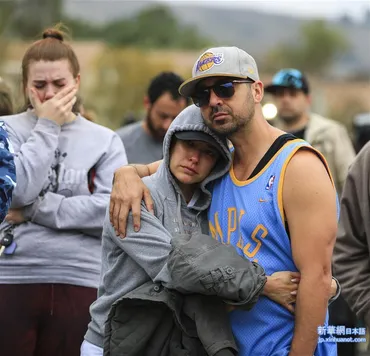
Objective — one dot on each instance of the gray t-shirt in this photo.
(140, 147)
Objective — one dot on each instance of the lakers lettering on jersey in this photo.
(249, 215)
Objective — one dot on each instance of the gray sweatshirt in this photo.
(64, 179)
(140, 257)
(140, 146)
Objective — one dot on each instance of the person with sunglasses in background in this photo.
(292, 96)
(277, 205)
(291, 92)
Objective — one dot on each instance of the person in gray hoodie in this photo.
(194, 157)
(64, 166)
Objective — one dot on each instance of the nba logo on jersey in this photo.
(270, 182)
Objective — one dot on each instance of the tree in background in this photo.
(6, 11)
(31, 17)
(319, 44)
(152, 27)
(121, 80)
(83, 30)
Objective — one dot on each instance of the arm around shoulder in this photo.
(127, 193)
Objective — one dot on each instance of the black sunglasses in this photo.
(222, 89)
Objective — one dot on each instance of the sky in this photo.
(330, 9)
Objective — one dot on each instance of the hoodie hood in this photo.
(190, 119)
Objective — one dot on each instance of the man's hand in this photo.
(281, 287)
(15, 216)
(127, 193)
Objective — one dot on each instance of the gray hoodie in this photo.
(140, 257)
(64, 179)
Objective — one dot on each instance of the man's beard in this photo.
(156, 134)
(290, 119)
(237, 122)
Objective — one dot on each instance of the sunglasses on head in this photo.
(223, 89)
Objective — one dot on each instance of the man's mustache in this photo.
(217, 109)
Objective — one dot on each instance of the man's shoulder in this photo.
(129, 130)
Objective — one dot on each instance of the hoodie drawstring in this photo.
(179, 217)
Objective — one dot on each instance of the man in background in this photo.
(291, 92)
(143, 140)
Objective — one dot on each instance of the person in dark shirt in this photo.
(143, 140)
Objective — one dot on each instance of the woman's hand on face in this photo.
(282, 288)
(58, 108)
(127, 193)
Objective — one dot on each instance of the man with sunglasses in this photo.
(277, 205)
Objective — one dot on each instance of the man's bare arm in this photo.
(309, 203)
(144, 170)
(127, 193)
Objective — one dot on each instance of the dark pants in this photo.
(43, 319)
(341, 314)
